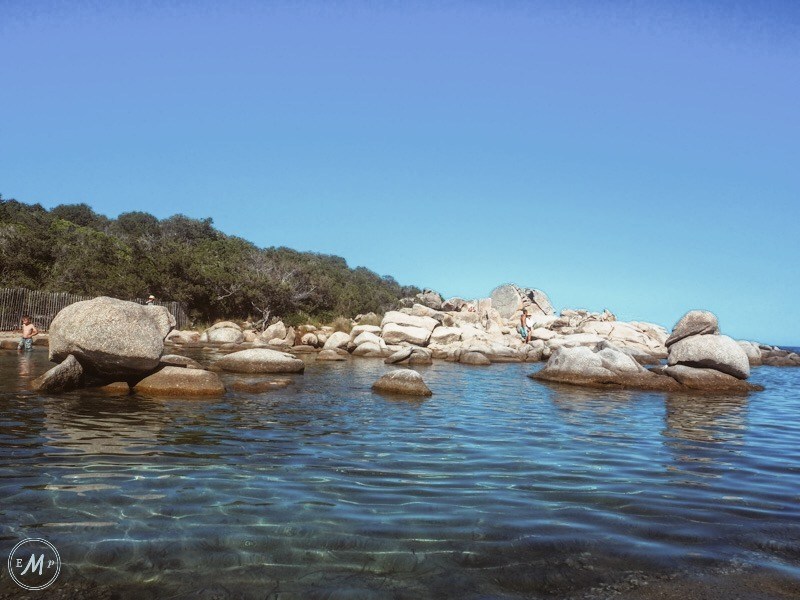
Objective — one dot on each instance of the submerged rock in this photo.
(402, 381)
(331, 355)
(258, 387)
(179, 382)
(260, 360)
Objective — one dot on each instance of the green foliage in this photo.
(73, 249)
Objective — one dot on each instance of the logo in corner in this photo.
(34, 564)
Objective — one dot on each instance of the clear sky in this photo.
(637, 156)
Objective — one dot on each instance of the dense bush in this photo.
(73, 249)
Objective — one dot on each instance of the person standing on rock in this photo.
(525, 326)
(28, 331)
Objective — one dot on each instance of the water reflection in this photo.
(705, 419)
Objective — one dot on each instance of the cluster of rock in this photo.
(699, 358)
(108, 342)
(473, 332)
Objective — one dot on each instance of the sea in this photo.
(497, 486)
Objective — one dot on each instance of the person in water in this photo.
(28, 331)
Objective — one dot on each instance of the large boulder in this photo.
(402, 381)
(274, 331)
(398, 318)
(694, 322)
(225, 335)
(445, 335)
(181, 382)
(338, 339)
(510, 299)
(62, 378)
(395, 334)
(710, 351)
(111, 337)
(260, 360)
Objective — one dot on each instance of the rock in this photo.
(399, 356)
(173, 360)
(394, 334)
(280, 343)
(540, 333)
(276, 330)
(430, 299)
(226, 335)
(303, 349)
(581, 365)
(179, 381)
(454, 304)
(402, 381)
(338, 339)
(710, 351)
(445, 335)
(420, 356)
(258, 387)
(752, 351)
(474, 358)
(291, 337)
(249, 336)
(62, 378)
(359, 329)
(331, 355)
(224, 325)
(117, 388)
(399, 318)
(694, 322)
(372, 349)
(367, 336)
(182, 337)
(706, 379)
(111, 337)
(260, 360)
(310, 339)
(509, 300)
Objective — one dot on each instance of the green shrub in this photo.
(342, 324)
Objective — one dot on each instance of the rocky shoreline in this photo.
(107, 342)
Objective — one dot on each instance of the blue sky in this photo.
(637, 156)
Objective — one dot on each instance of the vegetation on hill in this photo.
(71, 248)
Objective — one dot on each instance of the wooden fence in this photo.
(44, 306)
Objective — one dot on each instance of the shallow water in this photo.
(496, 487)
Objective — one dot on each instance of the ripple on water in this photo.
(497, 486)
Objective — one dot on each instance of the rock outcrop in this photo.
(697, 361)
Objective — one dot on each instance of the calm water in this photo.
(496, 487)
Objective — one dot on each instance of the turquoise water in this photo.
(496, 487)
